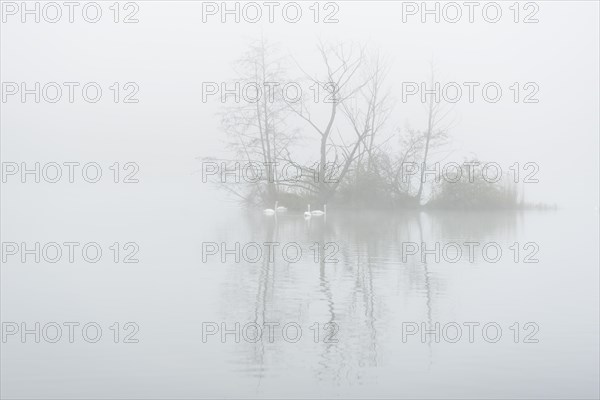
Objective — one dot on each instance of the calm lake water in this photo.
(357, 298)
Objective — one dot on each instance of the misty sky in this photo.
(170, 52)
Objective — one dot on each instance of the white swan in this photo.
(281, 209)
(307, 214)
(270, 211)
(319, 213)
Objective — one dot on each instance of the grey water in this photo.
(355, 298)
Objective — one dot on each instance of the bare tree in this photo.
(339, 83)
(436, 113)
(347, 115)
(256, 124)
(367, 112)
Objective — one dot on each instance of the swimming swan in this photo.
(270, 211)
(307, 214)
(319, 213)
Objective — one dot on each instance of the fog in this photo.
(163, 63)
